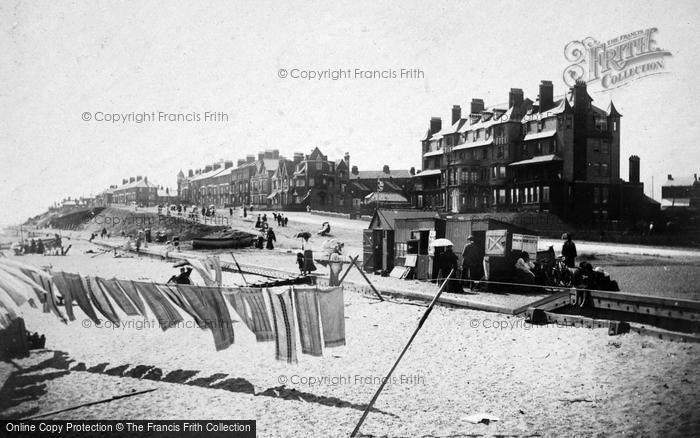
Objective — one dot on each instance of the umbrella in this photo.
(441, 242)
(181, 263)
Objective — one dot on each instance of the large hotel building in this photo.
(560, 156)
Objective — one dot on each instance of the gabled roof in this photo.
(316, 154)
(386, 219)
(209, 174)
(683, 181)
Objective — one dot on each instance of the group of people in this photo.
(525, 270)
(37, 246)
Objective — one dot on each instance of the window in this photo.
(484, 153)
(604, 170)
(555, 146)
(476, 134)
(301, 183)
(615, 126)
(499, 152)
(535, 194)
(596, 169)
(528, 192)
(502, 171)
(319, 166)
(545, 194)
(604, 147)
(605, 195)
(502, 196)
(540, 125)
(596, 195)
(569, 121)
(539, 147)
(596, 147)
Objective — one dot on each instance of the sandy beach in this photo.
(546, 380)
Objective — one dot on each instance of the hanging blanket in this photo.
(128, 287)
(99, 299)
(176, 295)
(165, 313)
(65, 290)
(283, 318)
(258, 320)
(332, 316)
(203, 271)
(209, 304)
(111, 287)
(307, 317)
(78, 292)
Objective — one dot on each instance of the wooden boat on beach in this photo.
(225, 239)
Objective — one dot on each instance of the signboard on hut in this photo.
(526, 243)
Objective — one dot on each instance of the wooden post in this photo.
(239, 268)
(367, 279)
(347, 271)
(386, 379)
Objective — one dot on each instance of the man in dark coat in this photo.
(472, 262)
(448, 261)
(568, 251)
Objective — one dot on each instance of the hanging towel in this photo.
(128, 288)
(283, 318)
(78, 292)
(259, 318)
(235, 299)
(165, 313)
(332, 316)
(43, 279)
(307, 317)
(18, 290)
(203, 272)
(209, 303)
(99, 299)
(111, 287)
(176, 295)
(65, 290)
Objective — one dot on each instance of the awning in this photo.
(675, 203)
(433, 153)
(273, 194)
(473, 145)
(537, 160)
(538, 135)
(429, 172)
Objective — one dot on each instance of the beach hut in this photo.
(393, 234)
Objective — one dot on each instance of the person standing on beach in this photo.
(230, 211)
(568, 251)
(271, 238)
(472, 261)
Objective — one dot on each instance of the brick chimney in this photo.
(435, 124)
(298, 157)
(216, 166)
(261, 156)
(515, 97)
(228, 164)
(207, 168)
(275, 153)
(412, 171)
(125, 181)
(456, 113)
(670, 177)
(477, 106)
(582, 100)
(354, 170)
(386, 170)
(250, 158)
(546, 95)
(346, 158)
(634, 169)
(190, 173)
(139, 178)
(240, 162)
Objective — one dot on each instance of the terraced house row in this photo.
(549, 155)
(270, 181)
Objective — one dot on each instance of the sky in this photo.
(63, 60)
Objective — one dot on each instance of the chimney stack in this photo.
(250, 158)
(477, 106)
(207, 168)
(275, 153)
(456, 113)
(354, 170)
(634, 169)
(228, 164)
(132, 179)
(515, 97)
(240, 162)
(190, 173)
(386, 170)
(145, 179)
(670, 177)
(261, 156)
(139, 178)
(125, 181)
(412, 171)
(546, 95)
(298, 157)
(216, 166)
(435, 125)
(346, 158)
(582, 100)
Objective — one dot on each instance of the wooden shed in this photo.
(393, 233)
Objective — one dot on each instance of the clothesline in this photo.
(270, 313)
